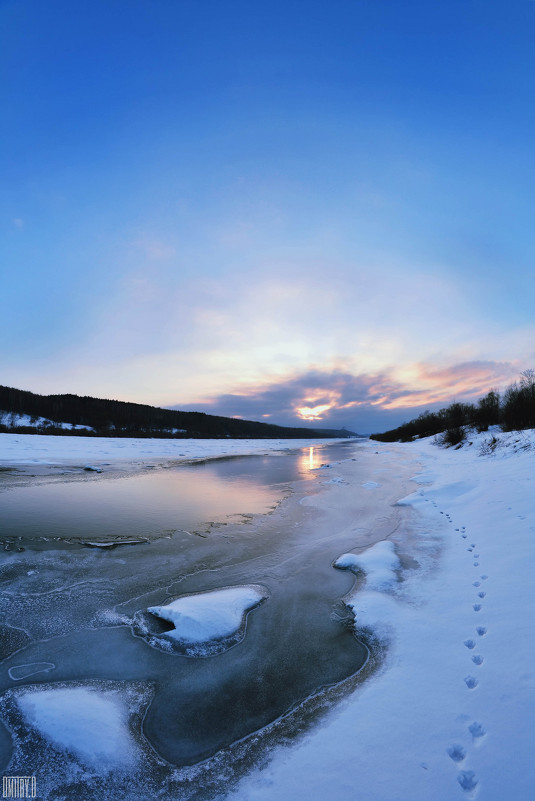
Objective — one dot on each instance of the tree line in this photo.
(513, 411)
(123, 419)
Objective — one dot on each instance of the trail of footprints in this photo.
(467, 778)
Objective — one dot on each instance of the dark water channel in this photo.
(206, 526)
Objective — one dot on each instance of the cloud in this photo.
(346, 344)
(424, 384)
(281, 319)
(335, 398)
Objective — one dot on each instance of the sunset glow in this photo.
(314, 413)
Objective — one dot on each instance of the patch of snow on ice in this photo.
(210, 615)
(89, 723)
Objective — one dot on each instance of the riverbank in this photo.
(452, 712)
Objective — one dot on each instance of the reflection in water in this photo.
(150, 503)
(311, 459)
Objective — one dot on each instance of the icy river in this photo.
(97, 697)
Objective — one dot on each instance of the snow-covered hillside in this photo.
(15, 420)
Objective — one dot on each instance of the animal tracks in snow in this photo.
(471, 682)
(458, 753)
(476, 730)
(467, 780)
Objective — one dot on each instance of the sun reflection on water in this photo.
(310, 459)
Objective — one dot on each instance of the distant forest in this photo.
(512, 412)
(119, 419)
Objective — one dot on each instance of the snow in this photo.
(21, 449)
(209, 616)
(451, 712)
(14, 419)
(92, 724)
(378, 563)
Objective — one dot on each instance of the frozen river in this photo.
(74, 615)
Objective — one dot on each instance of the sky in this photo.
(304, 212)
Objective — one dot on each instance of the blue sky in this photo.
(278, 210)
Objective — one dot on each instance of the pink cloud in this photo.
(335, 398)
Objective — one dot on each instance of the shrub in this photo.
(453, 436)
(488, 446)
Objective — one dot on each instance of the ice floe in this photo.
(92, 724)
(207, 622)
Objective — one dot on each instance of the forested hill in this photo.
(27, 412)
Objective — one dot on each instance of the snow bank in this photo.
(91, 724)
(372, 609)
(209, 616)
(379, 563)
